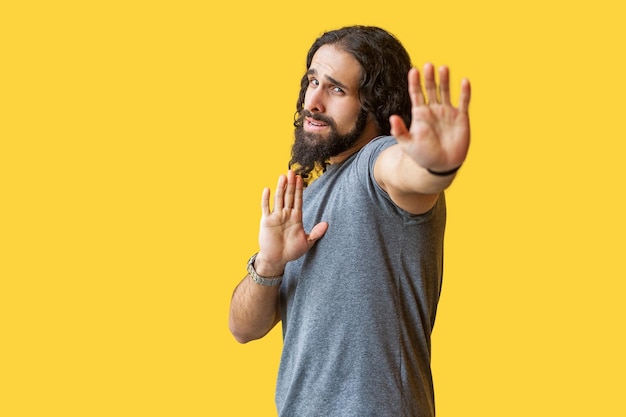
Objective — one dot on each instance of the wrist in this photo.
(443, 173)
(267, 268)
(263, 278)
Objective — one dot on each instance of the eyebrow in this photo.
(329, 78)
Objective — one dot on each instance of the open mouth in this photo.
(314, 124)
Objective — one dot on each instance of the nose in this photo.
(314, 100)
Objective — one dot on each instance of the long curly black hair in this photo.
(385, 63)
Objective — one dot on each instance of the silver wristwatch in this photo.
(267, 281)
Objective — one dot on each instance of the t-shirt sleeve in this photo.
(366, 160)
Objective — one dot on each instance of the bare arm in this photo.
(254, 308)
(437, 140)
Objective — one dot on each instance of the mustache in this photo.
(315, 116)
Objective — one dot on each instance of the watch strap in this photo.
(265, 281)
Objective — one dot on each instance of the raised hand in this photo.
(282, 237)
(439, 136)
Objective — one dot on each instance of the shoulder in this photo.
(377, 145)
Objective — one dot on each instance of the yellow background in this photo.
(136, 138)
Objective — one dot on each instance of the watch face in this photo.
(269, 282)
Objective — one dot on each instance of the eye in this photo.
(338, 90)
(314, 82)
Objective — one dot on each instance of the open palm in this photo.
(439, 135)
(282, 237)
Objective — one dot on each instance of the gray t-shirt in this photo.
(358, 309)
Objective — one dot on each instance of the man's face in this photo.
(332, 121)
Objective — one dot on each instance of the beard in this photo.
(311, 150)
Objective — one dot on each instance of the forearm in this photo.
(411, 186)
(254, 310)
(412, 178)
(428, 154)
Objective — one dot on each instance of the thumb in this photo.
(317, 232)
(398, 128)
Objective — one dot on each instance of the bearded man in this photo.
(350, 255)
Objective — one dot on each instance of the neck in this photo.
(366, 137)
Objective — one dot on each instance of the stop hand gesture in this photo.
(282, 237)
(439, 136)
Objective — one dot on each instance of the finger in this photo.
(279, 195)
(444, 86)
(464, 97)
(291, 187)
(265, 202)
(429, 83)
(297, 203)
(415, 89)
(398, 128)
(317, 232)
